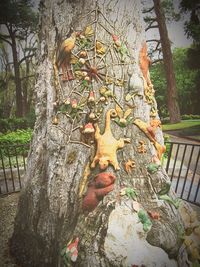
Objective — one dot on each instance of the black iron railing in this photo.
(183, 168)
(12, 167)
(182, 165)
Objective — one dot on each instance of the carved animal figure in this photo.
(144, 64)
(144, 127)
(103, 184)
(63, 58)
(107, 145)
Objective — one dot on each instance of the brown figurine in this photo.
(103, 184)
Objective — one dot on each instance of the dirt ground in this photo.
(8, 207)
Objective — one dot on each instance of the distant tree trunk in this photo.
(172, 98)
(18, 88)
(81, 185)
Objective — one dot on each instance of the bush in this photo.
(13, 124)
(190, 117)
(165, 120)
(20, 138)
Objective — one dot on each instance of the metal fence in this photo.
(12, 167)
(182, 166)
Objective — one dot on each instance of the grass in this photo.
(184, 124)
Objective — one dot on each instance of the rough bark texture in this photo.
(172, 98)
(50, 212)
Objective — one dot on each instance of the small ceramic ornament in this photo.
(142, 147)
(70, 252)
(144, 219)
(129, 166)
(154, 215)
(123, 119)
(129, 192)
(153, 168)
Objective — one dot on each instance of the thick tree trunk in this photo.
(172, 98)
(67, 174)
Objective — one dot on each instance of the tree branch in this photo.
(153, 40)
(28, 76)
(157, 60)
(151, 27)
(148, 10)
(5, 40)
(26, 57)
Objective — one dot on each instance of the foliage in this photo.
(13, 124)
(185, 82)
(192, 29)
(20, 14)
(190, 117)
(15, 143)
(18, 137)
(19, 25)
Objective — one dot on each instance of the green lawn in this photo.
(193, 124)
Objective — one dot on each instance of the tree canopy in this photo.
(185, 80)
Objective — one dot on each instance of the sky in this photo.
(175, 29)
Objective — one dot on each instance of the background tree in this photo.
(192, 29)
(185, 84)
(158, 21)
(94, 97)
(18, 22)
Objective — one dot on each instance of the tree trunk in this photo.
(172, 98)
(18, 89)
(78, 185)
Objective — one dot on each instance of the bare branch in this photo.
(157, 60)
(148, 10)
(5, 40)
(26, 57)
(151, 27)
(153, 40)
(27, 77)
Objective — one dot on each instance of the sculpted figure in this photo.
(103, 184)
(107, 145)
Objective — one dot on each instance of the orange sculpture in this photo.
(144, 64)
(142, 147)
(154, 124)
(129, 166)
(107, 145)
(144, 127)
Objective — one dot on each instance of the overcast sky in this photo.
(175, 29)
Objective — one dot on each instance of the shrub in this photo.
(190, 117)
(18, 140)
(13, 124)
(165, 120)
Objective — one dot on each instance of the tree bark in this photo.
(172, 98)
(56, 205)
